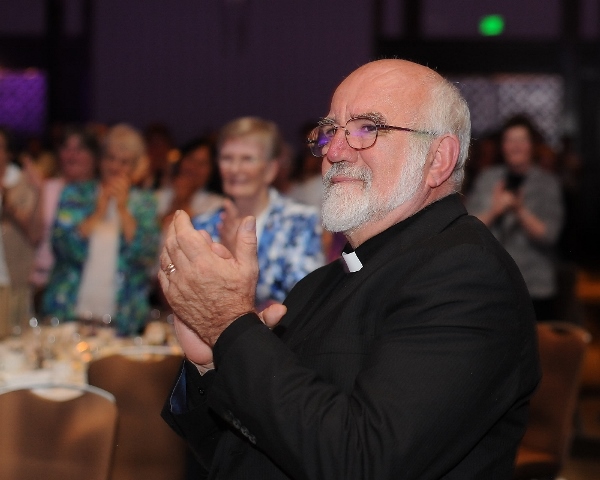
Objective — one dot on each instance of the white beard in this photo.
(345, 210)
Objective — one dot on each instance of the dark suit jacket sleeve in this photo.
(451, 356)
(187, 413)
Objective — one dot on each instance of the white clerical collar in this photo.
(352, 261)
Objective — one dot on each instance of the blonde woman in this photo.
(105, 240)
(289, 233)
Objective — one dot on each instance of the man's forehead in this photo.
(384, 104)
(393, 88)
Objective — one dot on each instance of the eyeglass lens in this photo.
(360, 133)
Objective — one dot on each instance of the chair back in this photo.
(548, 436)
(141, 379)
(56, 432)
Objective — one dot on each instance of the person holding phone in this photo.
(522, 205)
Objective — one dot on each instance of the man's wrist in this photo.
(218, 330)
(202, 369)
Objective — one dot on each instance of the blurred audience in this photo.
(160, 157)
(289, 233)
(39, 156)
(284, 180)
(107, 231)
(191, 187)
(547, 158)
(307, 184)
(77, 159)
(522, 205)
(105, 242)
(20, 231)
(484, 153)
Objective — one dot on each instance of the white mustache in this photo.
(342, 168)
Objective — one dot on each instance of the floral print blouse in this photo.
(134, 263)
(289, 246)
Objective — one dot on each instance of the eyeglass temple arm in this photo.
(405, 129)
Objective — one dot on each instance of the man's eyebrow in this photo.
(326, 121)
(377, 117)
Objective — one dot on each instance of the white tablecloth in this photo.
(59, 355)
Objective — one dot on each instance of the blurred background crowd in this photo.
(83, 211)
(82, 217)
(112, 110)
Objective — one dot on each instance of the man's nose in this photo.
(339, 150)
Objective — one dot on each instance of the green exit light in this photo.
(491, 25)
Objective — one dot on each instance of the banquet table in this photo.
(59, 354)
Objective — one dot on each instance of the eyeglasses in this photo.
(360, 133)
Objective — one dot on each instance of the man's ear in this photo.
(444, 151)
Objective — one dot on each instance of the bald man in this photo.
(412, 357)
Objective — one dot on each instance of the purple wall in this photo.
(526, 20)
(197, 64)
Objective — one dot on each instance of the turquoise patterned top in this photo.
(289, 247)
(134, 263)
